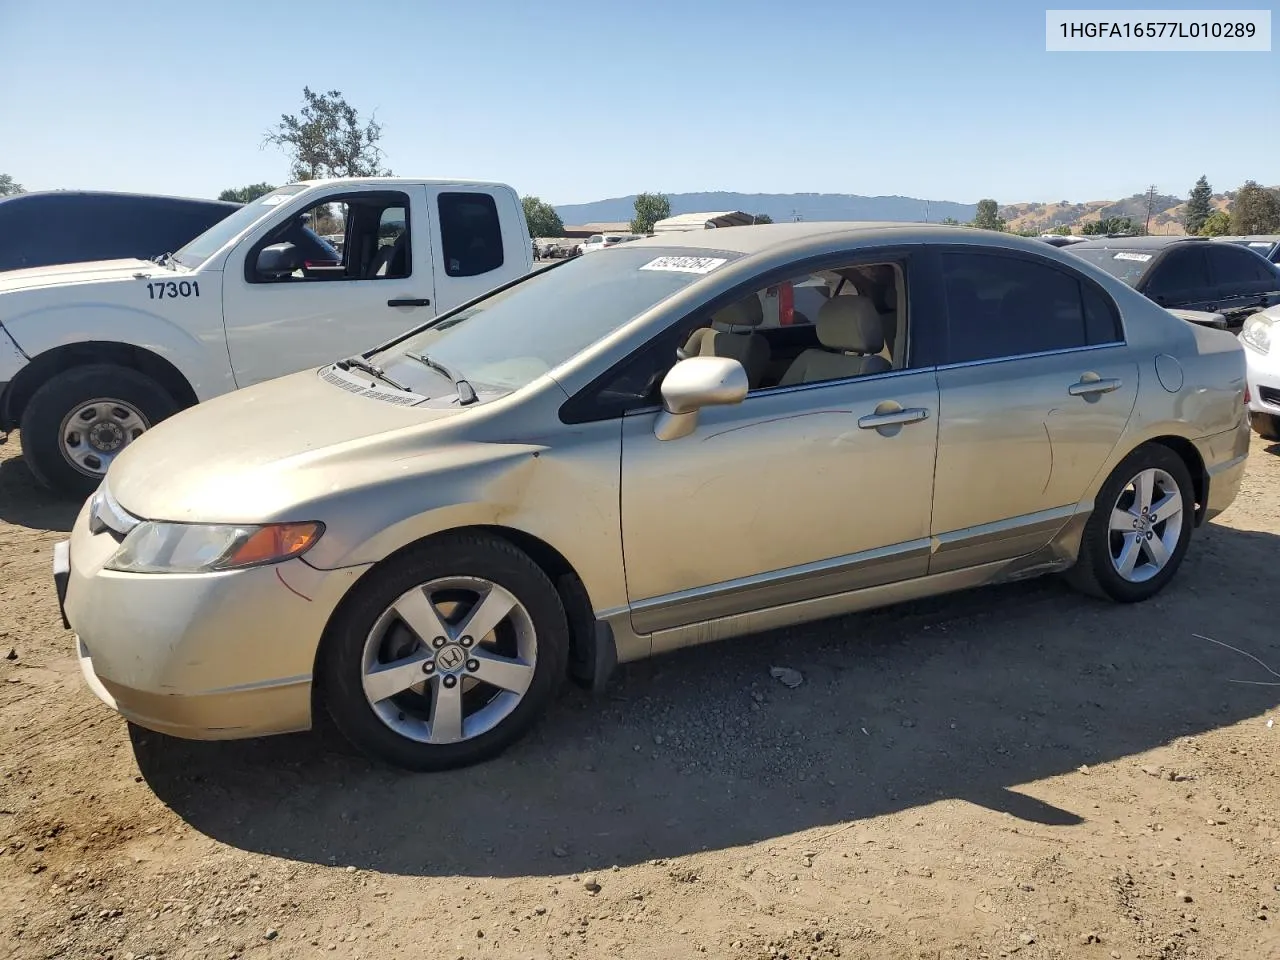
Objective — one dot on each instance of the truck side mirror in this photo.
(277, 261)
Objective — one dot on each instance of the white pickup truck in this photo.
(92, 354)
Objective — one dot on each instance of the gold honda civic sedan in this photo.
(682, 439)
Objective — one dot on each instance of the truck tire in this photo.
(80, 420)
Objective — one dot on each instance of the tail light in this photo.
(1248, 397)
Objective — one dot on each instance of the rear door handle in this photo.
(1085, 388)
(409, 302)
(874, 421)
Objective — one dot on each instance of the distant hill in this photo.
(1166, 218)
(779, 206)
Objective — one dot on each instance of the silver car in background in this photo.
(623, 455)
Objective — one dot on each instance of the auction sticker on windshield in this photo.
(1125, 255)
(684, 264)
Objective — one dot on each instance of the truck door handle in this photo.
(874, 421)
(1085, 388)
(409, 302)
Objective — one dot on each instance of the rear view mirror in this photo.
(693, 384)
(277, 261)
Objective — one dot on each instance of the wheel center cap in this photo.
(450, 658)
(106, 436)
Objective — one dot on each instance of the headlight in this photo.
(154, 547)
(1257, 333)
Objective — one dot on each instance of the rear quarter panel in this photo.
(1191, 384)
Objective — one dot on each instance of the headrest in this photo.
(746, 312)
(850, 324)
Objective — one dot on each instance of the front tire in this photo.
(447, 656)
(78, 422)
(1140, 528)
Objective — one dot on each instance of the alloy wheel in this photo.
(449, 660)
(1146, 523)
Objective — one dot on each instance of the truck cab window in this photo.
(470, 234)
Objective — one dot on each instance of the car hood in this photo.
(265, 451)
(34, 278)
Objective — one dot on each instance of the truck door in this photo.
(349, 272)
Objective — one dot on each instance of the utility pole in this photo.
(1151, 203)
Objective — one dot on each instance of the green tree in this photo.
(9, 187)
(650, 208)
(950, 221)
(1061, 230)
(761, 218)
(327, 138)
(1217, 224)
(246, 194)
(1255, 210)
(1107, 225)
(1199, 205)
(988, 217)
(542, 217)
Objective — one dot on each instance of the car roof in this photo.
(1137, 243)
(752, 239)
(38, 194)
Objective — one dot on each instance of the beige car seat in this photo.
(731, 335)
(852, 337)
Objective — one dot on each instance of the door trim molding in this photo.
(806, 581)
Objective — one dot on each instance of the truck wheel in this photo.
(78, 422)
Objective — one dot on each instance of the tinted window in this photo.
(470, 234)
(1002, 306)
(1180, 273)
(1234, 266)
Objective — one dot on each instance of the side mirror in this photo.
(277, 261)
(693, 384)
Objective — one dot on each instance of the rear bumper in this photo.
(1224, 455)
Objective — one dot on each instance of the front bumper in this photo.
(204, 656)
(1262, 372)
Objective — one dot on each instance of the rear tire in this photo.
(386, 655)
(1130, 548)
(78, 422)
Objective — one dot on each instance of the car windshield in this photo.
(516, 335)
(1126, 265)
(216, 237)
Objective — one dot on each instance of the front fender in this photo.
(566, 496)
(199, 355)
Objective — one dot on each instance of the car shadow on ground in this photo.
(25, 503)
(963, 697)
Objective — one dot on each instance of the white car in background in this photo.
(1261, 339)
(602, 241)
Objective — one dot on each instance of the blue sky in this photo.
(578, 101)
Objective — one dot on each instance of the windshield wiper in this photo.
(466, 392)
(360, 363)
(166, 260)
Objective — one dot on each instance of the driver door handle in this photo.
(1085, 388)
(409, 302)
(874, 421)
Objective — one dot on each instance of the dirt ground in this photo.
(1016, 771)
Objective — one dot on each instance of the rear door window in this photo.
(1239, 270)
(1001, 306)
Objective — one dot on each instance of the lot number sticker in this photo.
(1140, 257)
(684, 264)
